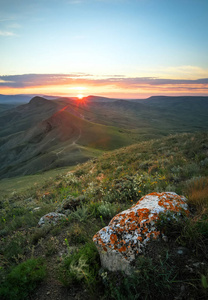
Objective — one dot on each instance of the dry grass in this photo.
(197, 192)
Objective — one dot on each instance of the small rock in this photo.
(36, 208)
(165, 238)
(198, 264)
(182, 251)
(51, 218)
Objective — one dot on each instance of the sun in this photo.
(80, 96)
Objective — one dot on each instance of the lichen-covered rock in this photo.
(51, 218)
(129, 232)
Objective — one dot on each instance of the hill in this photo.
(62, 139)
(158, 115)
(46, 134)
(24, 116)
(19, 99)
(96, 190)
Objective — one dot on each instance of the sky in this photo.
(113, 48)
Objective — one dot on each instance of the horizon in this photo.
(117, 49)
(81, 97)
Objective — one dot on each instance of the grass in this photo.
(23, 279)
(197, 189)
(107, 185)
(24, 184)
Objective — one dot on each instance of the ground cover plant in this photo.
(94, 192)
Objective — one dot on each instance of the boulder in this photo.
(51, 218)
(130, 231)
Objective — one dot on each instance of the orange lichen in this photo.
(122, 232)
(113, 238)
(122, 249)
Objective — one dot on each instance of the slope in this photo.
(62, 139)
(173, 268)
(158, 115)
(24, 116)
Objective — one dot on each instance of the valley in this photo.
(47, 134)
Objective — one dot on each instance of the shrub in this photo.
(76, 234)
(80, 266)
(107, 210)
(81, 214)
(14, 245)
(39, 233)
(23, 279)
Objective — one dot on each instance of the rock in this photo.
(36, 208)
(181, 251)
(129, 232)
(51, 218)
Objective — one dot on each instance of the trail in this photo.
(74, 143)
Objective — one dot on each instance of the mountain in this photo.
(15, 99)
(24, 116)
(159, 115)
(19, 99)
(62, 139)
(45, 134)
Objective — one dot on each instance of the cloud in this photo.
(32, 80)
(14, 25)
(7, 33)
(115, 81)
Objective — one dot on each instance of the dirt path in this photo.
(74, 143)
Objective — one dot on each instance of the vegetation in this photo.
(22, 279)
(98, 189)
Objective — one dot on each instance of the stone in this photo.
(130, 231)
(36, 208)
(181, 251)
(51, 218)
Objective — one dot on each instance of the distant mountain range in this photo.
(44, 134)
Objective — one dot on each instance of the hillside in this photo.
(161, 115)
(96, 191)
(24, 116)
(62, 139)
(45, 134)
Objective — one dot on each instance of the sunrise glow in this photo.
(140, 52)
(80, 96)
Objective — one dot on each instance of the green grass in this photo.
(23, 279)
(24, 184)
(109, 184)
